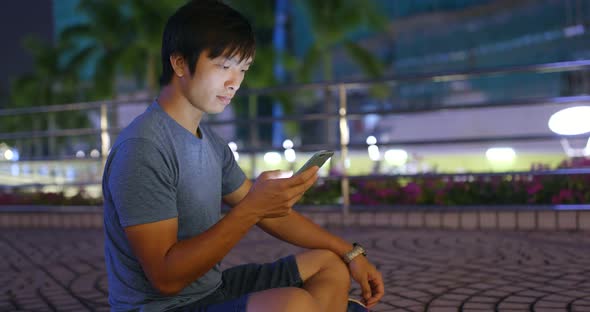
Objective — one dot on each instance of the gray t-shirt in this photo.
(158, 170)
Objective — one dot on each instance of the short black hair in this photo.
(205, 25)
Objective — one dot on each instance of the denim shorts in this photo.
(240, 281)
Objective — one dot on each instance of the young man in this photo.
(167, 174)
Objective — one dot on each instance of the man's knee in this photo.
(327, 264)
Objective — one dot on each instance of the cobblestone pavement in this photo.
(424, 270)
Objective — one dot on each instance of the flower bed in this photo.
(536, 187)
(49, 199)
(529, 188)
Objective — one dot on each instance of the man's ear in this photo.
(178, 64)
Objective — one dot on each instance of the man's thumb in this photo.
(273, 174)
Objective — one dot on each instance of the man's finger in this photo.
(378, 290)
(273, 174)
(299, 190)
(366, 289)
(303, 177)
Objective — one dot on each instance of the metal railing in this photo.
(339, 114)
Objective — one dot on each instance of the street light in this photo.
(290, 154)
(571, 121)
(374, 154)
(371, 140)
(8, 154)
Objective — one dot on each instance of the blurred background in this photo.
(431, 102)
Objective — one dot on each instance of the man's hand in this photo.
(369, 278)
(272, 197)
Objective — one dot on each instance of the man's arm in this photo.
(171, 264)
(299, 230)
(294, 228)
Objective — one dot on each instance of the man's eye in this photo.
(225, 66)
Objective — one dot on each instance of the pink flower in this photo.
(535, 188)
(385, 192)
(564, 196)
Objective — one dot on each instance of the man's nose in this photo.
(233, 83)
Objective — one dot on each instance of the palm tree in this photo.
(103, 38)
(142, 57)
(122, 38)
(332, 22)
(51, 82)
(261, 13)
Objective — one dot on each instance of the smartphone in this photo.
(318, 159)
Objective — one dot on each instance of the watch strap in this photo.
(357, 250)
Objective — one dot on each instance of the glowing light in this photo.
(80, 154)
(396, 157)
(287, 144)
(571, 121)
(500, 154)
(371, 140)
(8, 154)
(14, 170)
(272, 158)
(290, 155)
(374, 154)
(94, 153)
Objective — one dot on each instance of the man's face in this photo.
(214, 82)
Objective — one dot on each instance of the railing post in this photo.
(51, 125)
(344, 140)
(254, 142)
(105, 139)
(37, 144)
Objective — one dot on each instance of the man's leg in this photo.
(323, 276)
(287, 299)
(326, 277)
(326, 283)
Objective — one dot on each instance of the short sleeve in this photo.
(232, 175)
(141, 183)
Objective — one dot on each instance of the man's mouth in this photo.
(224, 99)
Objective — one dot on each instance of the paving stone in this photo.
(482, 299)
(441, 269)
(517, 299)
(550, 305)
(478, 306)
(548, 309)
(515, 306)
(442, 309)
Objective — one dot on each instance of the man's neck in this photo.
(180, 109)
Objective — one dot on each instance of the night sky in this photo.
(19, 18)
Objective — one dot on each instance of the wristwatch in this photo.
(357, 249)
